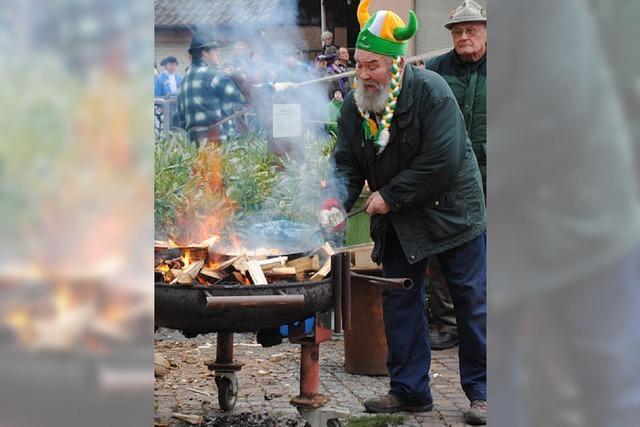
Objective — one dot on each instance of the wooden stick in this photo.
(198, 391)
(256, 273)
(291, 85)
(270, 263)
(322, 273)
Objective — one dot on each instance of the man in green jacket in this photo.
(402, 131)
(464, 68)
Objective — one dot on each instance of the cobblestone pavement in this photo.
(269, 379)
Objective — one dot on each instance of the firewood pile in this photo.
(200, 265)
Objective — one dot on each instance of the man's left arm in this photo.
(443, 145)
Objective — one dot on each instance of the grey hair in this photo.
(326, 34)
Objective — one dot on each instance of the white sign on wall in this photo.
(287, 120)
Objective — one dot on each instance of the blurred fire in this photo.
(74, 314)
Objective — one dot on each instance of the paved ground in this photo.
(269, 380)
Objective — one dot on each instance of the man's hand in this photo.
(377, 205)
(332, 216)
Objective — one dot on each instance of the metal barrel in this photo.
(365, 343)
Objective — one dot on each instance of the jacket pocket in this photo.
(446, 216)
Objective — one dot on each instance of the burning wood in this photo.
(197, 265)
(189, 273)
(327, 251)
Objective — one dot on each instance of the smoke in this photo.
(262, 45)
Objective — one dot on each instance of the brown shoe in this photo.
(477, 413)
(389, 404)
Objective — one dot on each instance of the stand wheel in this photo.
(227, 390)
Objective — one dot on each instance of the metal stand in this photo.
(225, 371)
(309, 403)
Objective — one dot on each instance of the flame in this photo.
(115, 311)
(71, 314)
(236, 243)
(63, 298)
(207, 211)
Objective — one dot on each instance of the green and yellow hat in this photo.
(384, 32)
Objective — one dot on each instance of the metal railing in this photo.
(163, 109)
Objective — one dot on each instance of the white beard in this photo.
(371, 102)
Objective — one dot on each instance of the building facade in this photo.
(174, 20)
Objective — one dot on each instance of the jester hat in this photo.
(384, 32)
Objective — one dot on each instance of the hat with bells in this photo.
(384, 32)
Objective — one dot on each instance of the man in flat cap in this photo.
(208, 95)
(464, 68)
(402, 131)
(168, 81)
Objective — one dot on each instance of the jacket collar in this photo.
(459, 61)
(405, 99)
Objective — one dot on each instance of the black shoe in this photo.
(443, 340)
(477, 413)
(390, 404)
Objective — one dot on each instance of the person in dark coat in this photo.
(208, 95)
(402, 131)
(464, 68)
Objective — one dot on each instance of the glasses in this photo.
(472, 31)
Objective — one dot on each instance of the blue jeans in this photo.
(406, 328)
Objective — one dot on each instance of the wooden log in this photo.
(284, 271)
(305, 263)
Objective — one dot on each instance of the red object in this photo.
(333, 203)
(309, 364)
